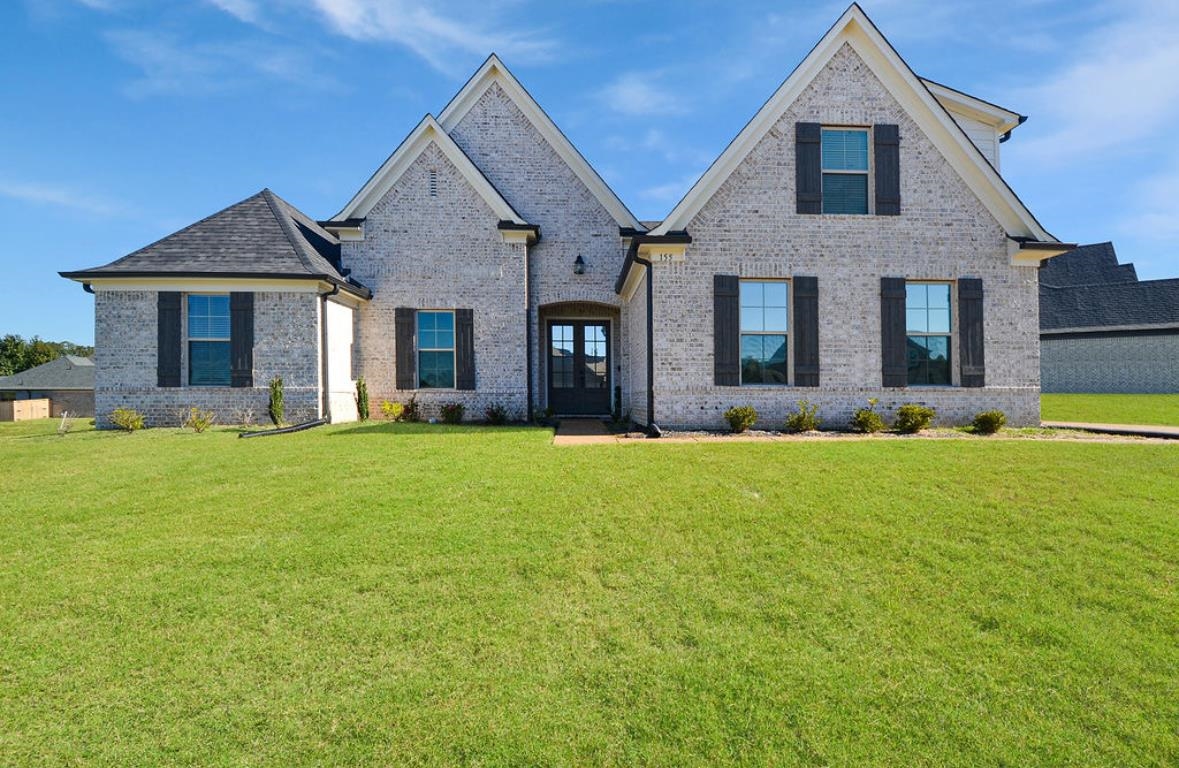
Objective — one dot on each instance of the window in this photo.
(208, 340)
(436, 350)
(927, 321)
(845, 170)
(763, 331)
(562, 356)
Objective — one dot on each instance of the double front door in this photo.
(579, 367)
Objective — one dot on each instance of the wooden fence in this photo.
(20, 410)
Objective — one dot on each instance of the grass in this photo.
(432, 595)
(1111, 409)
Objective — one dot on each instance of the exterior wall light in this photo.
(579, 265)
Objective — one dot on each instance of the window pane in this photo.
(208, 317)
(939, 321)
(775, 293)
(915, 319)
(845, 150)
(763, 359)
(775, 319)
(435, 369)
(752, 293)
(939, 359)
(594, 349)
(208, 363)
(444, 321)
(435, 330)
(915, 295)
(845, 193)
(918, 360)
(938, 296)
(752, 319)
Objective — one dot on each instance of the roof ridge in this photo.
(284, 223)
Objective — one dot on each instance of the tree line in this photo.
(18, 354)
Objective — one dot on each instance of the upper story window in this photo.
(436, 350)
(845, 170)
(927, 321)
(764, 331)
(208, 340)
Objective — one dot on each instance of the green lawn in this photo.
(1111, 409)
(419, 595)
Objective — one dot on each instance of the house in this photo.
(855, 240)
(1104, 330)
(67, 382)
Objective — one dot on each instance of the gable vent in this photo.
(433, 183)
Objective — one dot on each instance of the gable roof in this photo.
(1004, 120)
(854, 28)
(262, 236)
(1087, 265)
(494, 71)
(427, 132)
(65, 372)
(1088, 289)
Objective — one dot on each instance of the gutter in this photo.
(527, 334)
(356, 289)
(652, 429)
(285, 430)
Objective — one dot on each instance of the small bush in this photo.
(867, 420)
(276, 408)
(198, 421)
(913, 417)
(989, 422)
(391, 411)
(410, 411)
(361, 399)
(127, 419)
(805, 419)
(244, 417)
(452, 413)
(496, 414)
(741, 417)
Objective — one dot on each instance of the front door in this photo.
(579, 367)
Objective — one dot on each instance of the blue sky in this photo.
(125, 120)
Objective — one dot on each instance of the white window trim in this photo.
(870, 173)
(186, 341)
(418, 350)
(789, 332)
(954, 378)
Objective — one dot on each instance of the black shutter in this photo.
(241, 339)
(464, 348)
(806, 331)
(808, 161)
(893, 341)
(887, 140)
(726, 330)
(404, 322)
(970, 329)
(168, 339)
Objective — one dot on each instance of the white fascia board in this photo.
(427, 131)
(855, 29)
(493, 70)
(207, 284)
(1003, 120)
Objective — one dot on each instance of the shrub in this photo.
(867, 420)
(741, 417)
(127, 419)
(198, 421)
(913, 417)
(410, 411)
(275, 408)
(496, 414)
(361, 399)
(452, 413)
(805, 419)
(391, 411)
(989, 422)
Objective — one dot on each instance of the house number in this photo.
(667, 257)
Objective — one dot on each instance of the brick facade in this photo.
(1126, 362)
(750, 228)
(286, 343)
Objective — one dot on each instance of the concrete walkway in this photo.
(1141, 430)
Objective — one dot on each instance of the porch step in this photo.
(581, 428)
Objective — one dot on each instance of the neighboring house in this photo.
(67, 382)
(1104, 330)
(855, 240)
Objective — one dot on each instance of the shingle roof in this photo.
(262, 236)
(1089, 289)
(66, 372)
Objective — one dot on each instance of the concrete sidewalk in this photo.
(1140, 430)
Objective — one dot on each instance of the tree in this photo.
(18, 355)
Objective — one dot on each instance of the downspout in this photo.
(652, 428)
(527, 334)
(324, 397)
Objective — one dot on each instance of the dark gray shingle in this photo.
(66, 372)
(1087, 288)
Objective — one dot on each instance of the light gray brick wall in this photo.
(750, 228)
(440, 252)
(1129, 363)
(634, 324)
(286, 343)
(531, 176)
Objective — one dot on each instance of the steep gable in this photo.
(493, 93)
(857, 33)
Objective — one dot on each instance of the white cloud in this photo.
(1156, 202)
(670, 192)
(168, 65)
(636, 93)
(243, 10)
(61, 196)
(436, 38)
